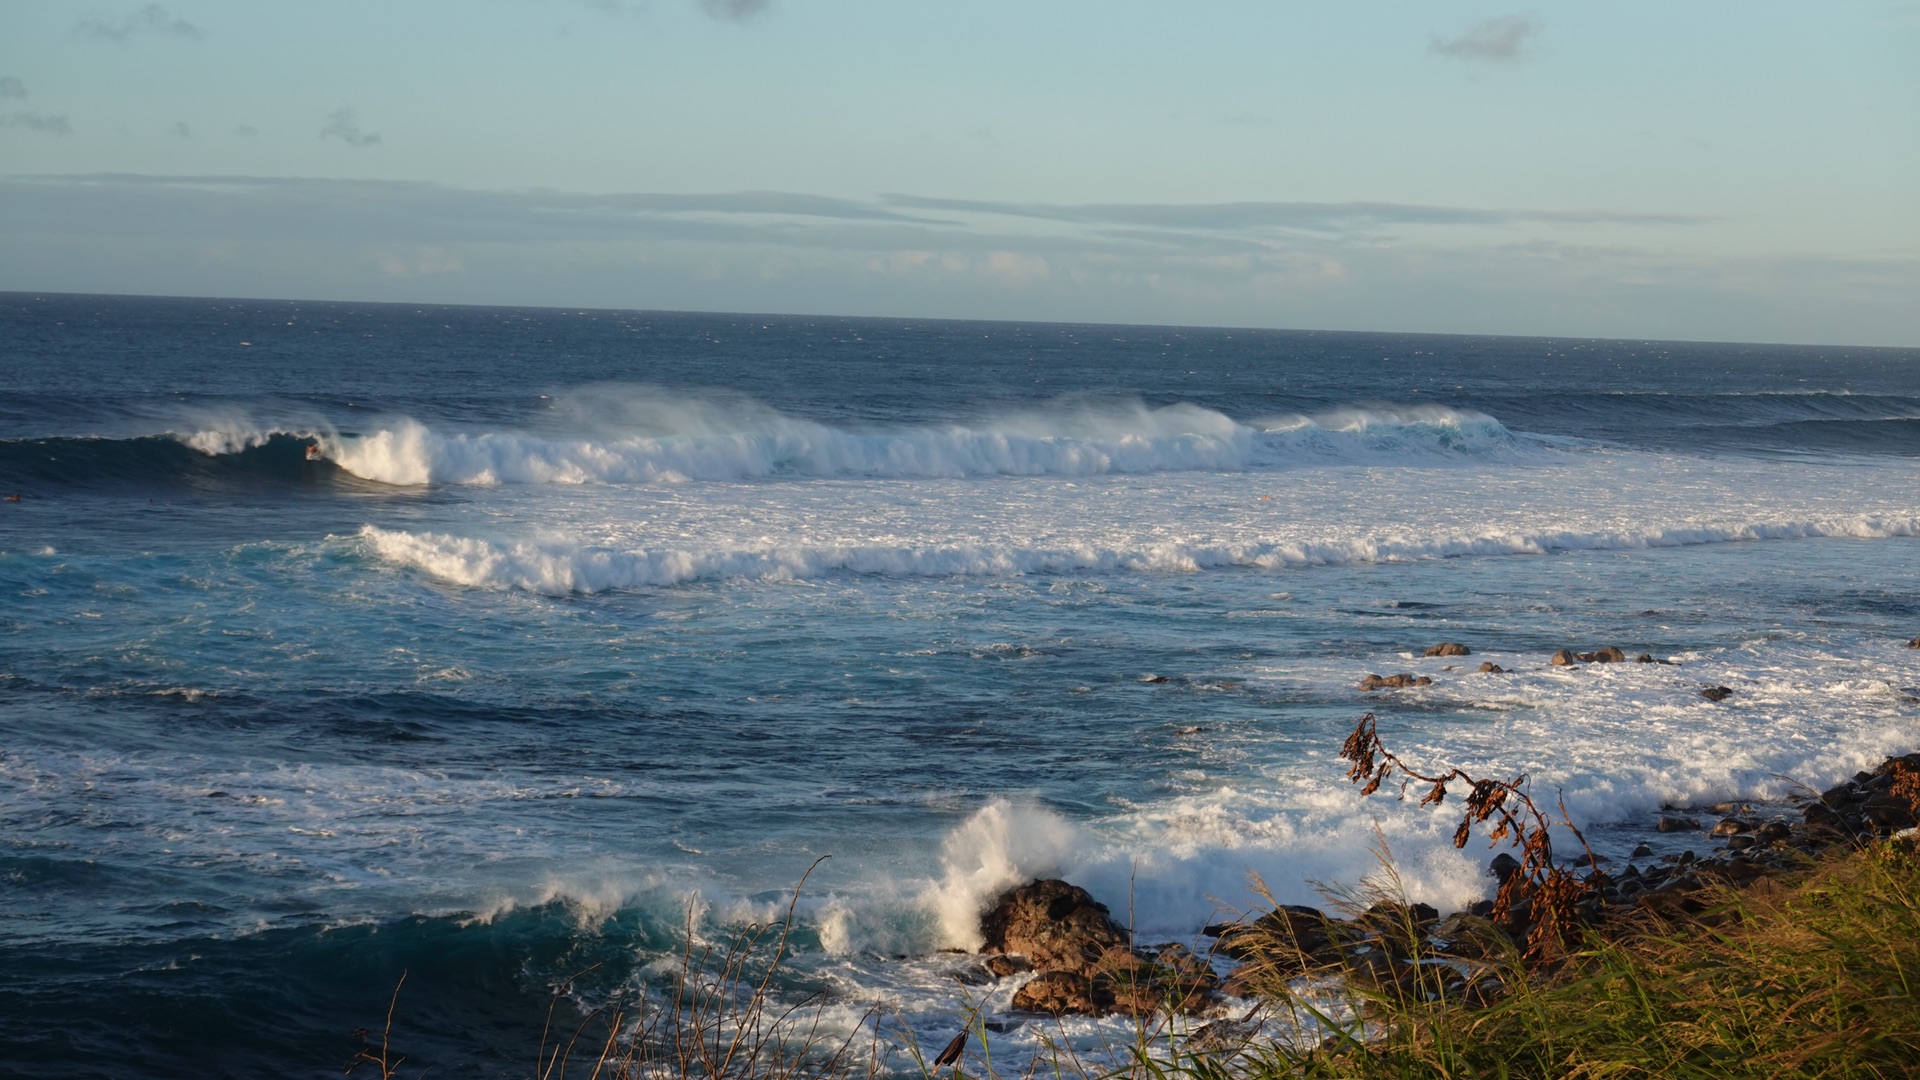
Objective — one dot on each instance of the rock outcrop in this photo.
(1448, 648)
(1394, 682)
(1085, 962)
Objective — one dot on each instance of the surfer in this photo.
(313, 451)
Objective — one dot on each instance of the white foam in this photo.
(562, 566)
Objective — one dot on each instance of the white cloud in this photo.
(150, 20)
(344, 124)
(1498, 40)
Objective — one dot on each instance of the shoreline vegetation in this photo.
(1791, 951)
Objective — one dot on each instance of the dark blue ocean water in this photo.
(340, 641)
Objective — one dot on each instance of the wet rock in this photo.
(1003, 965)
(1488, 667)
(1394, 682)
(1061, 993)
(1609, 655)
(1448, 648)
(1055, 925)
(1173, 980)
(1732, 827)
(1641, 851)
(1914, 644)
(1154, 680)
(1468, 937)
(1563, 658)
(1677, 824)
(1289, 939)
(1739, 843)
(1716, 693)
(1645, 658)
(1503, 867)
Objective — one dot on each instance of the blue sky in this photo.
(1722, 170)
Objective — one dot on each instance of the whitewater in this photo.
(493, 645)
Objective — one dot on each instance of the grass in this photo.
(1819, 978)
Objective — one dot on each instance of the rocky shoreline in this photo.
(1066, 955)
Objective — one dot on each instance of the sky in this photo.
(1741, 170)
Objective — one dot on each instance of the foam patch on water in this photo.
(560, 567)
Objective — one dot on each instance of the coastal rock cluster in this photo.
(1086, 962)
(1612, 654)
(1087, 965)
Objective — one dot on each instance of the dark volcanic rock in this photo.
(1394, 682)
(1055, 925)
(1677, 824)
(1061, 993)
(1732, 827)
(1001, 965)
(1717, 693)
(1449, 648)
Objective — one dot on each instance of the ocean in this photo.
(499, 647)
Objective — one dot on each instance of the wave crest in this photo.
(754, 442)
(563, 567)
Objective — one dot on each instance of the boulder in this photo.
(1289, 939)
(1641, 851)
(1732, 827)
(1563, 658)
(1054, 925)
(1488, 667)
(1677, 824)
(1645, 658)
(1449, 648)
(1061, 993)
(1716, 693)
(1394, 682)
(1173, 979)
(1914, 644)
(1609, 655)
(1001, 965)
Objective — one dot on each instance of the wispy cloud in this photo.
(1285, 215)
(46, 123)
(344, 124)
(149, 20)
(1495, 41)
(11, 87)
(737, 10)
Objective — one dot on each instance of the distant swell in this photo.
(560, 568)
(270, 459)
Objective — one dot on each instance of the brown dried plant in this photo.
(1552, 894)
